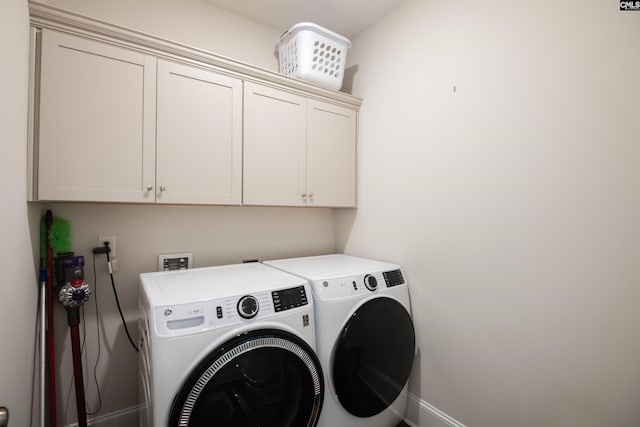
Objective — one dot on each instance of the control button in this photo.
(248, 306)
(370, 282)
(355, 285)
(219, 312)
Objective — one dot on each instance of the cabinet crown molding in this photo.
(47, 16)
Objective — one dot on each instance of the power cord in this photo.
(115, 294)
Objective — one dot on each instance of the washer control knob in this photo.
(370, 282)
(248, 307)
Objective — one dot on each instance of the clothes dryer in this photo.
(365, 336)
(230, 346)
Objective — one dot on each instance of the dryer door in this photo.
(373, 357)
(266, 378)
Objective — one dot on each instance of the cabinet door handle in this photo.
(304, 196)
(4, 416)
(149, 187)
(310, 195)
(162, 188)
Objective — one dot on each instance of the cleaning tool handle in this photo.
(51, 366)
(77, 375)
(43, 349)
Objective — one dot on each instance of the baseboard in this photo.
(422, 414)
(127, 417)
(419, 414)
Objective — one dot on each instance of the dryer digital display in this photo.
(393, 278)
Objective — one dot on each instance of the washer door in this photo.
(266, 378)
(373, 357)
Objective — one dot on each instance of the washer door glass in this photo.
(265, 378)
(373, 357)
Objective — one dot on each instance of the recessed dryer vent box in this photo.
(181, 261)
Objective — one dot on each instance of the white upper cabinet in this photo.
(297, 151)
(275, 150)
(199, 136)
(331, 155)
(119, 116)
(96, 133)
(121, 126)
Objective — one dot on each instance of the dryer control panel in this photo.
(360, 285)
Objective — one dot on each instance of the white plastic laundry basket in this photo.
(313, 53)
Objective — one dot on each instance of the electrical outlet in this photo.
(112, 244)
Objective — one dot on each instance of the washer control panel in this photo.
(184, 319)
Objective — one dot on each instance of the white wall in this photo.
(513, 203)
(18, 282)
(191, 22)
(216, 234)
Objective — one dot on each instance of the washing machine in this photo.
(365, 337)
(230, 346)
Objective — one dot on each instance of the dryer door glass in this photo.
(373, 357)
(266, 378)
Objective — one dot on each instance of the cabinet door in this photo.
(97, 121)
(274, 147)
(199, 136)
(331, 155)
